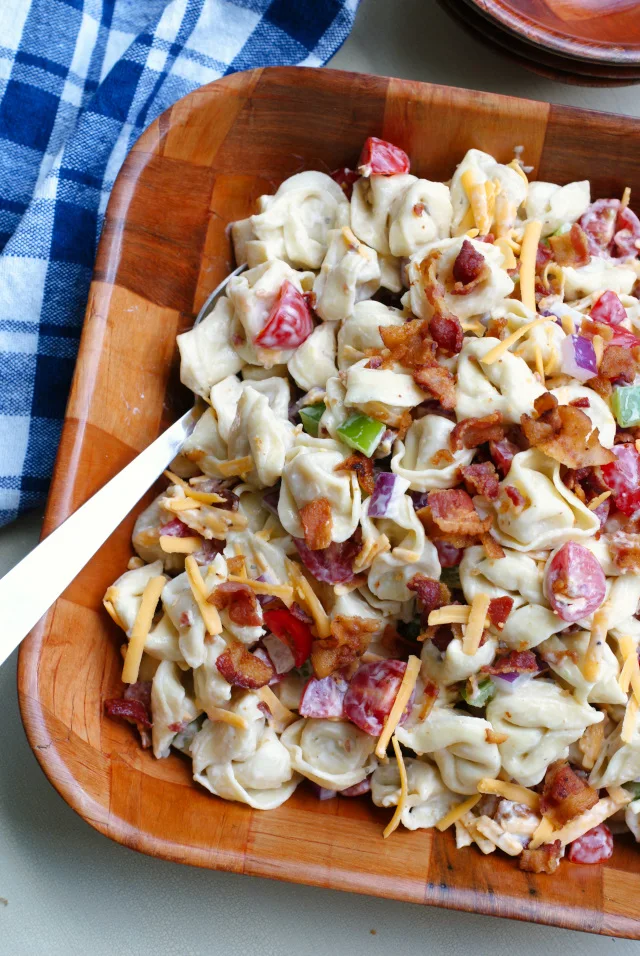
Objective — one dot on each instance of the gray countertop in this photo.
(65, 889)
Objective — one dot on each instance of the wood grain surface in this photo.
(163, 248)
(604, 31)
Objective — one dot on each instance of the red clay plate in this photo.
(606, 31)
(164, 247)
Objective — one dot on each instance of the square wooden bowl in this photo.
(164, 247)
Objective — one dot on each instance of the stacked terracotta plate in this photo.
(587, 42)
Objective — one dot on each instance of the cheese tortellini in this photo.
(334, 754)
(507, 385)
(428, 799)
(424, 458)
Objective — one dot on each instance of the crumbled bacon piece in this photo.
(447, 332)
(316, 521)
(241, 668)
(481, 479)
(439, 382)
(493, 549)
(409, 345)
(441, 635)
(240, 602)
(235, 564)
(601, 386)
(345, 178)
(565, 795)
(618, 364)
(543, 860)
(625, 551)
(497, 328)
(502, 452)
(515, 496)
(581, 403)
(564, 433)
(499, 611)
(347, 642)
(362, 468)
(131, 710)
(471, 432)
(430, 593)
(448, 555)
(543, 255)
(453, 512)
(571, 248)
(469, 269)
(514, 662)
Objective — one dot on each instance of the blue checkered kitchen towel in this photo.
(79, 81)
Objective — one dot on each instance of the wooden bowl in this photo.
(531, 57)
(164, 246)
(604, 31)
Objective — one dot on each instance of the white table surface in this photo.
(65, 889)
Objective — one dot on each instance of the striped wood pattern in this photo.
(164, 247)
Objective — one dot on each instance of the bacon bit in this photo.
(316, 521)
(515, 662)
(349, 639)
(492, 737)
(493, 549)
(503, 452)
(453, 512)
(409, 345)
(625, 551)
(133, 711)
(499, 611)
(240, 601)
(469, 269)
(345, 178)
(565, 795)
(431, 693)
(441, 635)
(442, 457)
(447, 332)
(376, 361)
(448, 555)
(543, 256)
(235, 564)
(564, 433)
(580, 403)
(572, 248)
(481, 479)
(601, 386)
(618, 362)
(543, 860)
(439, 382)
(515, 496)
(497, 328)
(362, 468)
(431, 594)
(241, 668)
(471, 432)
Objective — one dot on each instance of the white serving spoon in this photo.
(57, 560)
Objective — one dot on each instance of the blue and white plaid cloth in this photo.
(79, 81)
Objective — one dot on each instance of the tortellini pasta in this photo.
(172, 707)
(259, 433)
(428, 799)
(314, 362)
(420, 215)
(565, 656)
(372, 202)
(349, 273)
(334, 754)
(360, 331)
(385, 386)
(125, 594)
(540, 721)
(618, 762)
(485, 194)
(597, 274)
(453, 664)
(207, 353)
(424, 458)
(556, 205)
(507, 385)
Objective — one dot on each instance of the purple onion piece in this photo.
(321, 792)
(332, 565)
(578, 358)
(382, 494)
(270, 499)
(419, 498)
(279, 653)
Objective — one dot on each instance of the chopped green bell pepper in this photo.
(481, 695)
(310, 416)
(362, 433)
(451, 577)
(625, 405)
(633, 787)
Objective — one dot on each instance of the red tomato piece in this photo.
(599, 223)
(574, 582)
(289, 323)
(293, 632)
(345, 178)
(371, 694)
(623, 478)
(627, 238)
(608, 309)
(448, 556)
(502, 453)
(595, 846)
(623, 337)
(380, 158)
(323, 698)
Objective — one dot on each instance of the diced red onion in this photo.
(270, 499)
(387, 492)
(357, 789)
(578, 358)
(321, 792)
(510, 683)
(419, 498)
(280, 654)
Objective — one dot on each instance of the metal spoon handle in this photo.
(31, 587)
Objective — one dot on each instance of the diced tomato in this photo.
(574, 582)
(371, 694)
(380, 158)
(448, 556)
(345, 178)
(595, 846)
(502, 453)
(293, 632)
(623, 478)
(627, 238)
(623, 337)
(176, 529)
(289, 323)
(608, 309)
(323, 698)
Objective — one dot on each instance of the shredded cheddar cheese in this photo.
(172, 545)
(598, 348)
(141, 628)
(542, 834)
(180, 504)
(111, 611)
(630, 673)
(457, 812)
(591, 663)
(282, 591)
(629, 722)
(568, 325)
(626, 197)
(498, 351)
(227, 717)
(200, 593)
(577, 827)
(506, 249)
(475, 627)
(394, 822)
(206, 497)
(451, 614)
(235, 467)
(510, 791)
(402, 699)
(309, 597)
(281, 715)
(596, 502)
(539, 363)
(517, 166)
(480, 196)
(530, 240)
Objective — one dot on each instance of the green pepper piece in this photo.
(561, 230)
(310, 416)
(633, 787)
(625, 405)
(483, 694)
(451, 577)
(362, 433)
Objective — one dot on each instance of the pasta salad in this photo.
(399, 554)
